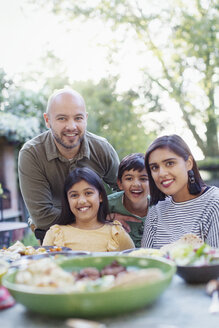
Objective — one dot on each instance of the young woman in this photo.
(82, 224)
(182, 203)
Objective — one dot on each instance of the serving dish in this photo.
(51, 251)
(95, 303)
(19, 250)
(65, 251)
(129, 250)
(198, 274)
(143, 252)
(57, 255)
(3, 269)
(196, 265)
(53, 248)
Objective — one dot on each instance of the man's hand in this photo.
(123, 219)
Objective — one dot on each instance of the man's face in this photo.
(67, 119)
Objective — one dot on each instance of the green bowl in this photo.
(98, 303)
(3, 269)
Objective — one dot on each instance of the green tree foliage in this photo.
(182, 36)
(22, 108)
(111, 115)
(114, 117)
(12, 126)
(5, 83)
(26, 103)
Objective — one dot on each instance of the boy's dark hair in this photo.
(177, 145)
(133, 161)
(77, 175)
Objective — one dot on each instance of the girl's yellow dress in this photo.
(109, 238)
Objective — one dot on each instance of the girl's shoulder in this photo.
(115, 227)
(113, 223)
(55, 227)
(58, 227)
(116, 222)
(57, 234)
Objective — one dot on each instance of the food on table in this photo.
(3, 268)
(81, 323)
(187, 239)
(138, 277)
(212, 289)
(6, 300)
(9, 256)
(147, 252)
(18, 249)
(184, 254)
(30, 250)
(47, 274)
(43, 273)
(212, 286)
(55, 249)
(188, 250)
(91, 298)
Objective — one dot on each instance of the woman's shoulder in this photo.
(161, 204)
(211, 194)
(213, 190)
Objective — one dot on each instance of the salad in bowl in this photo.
(196, 261)
(184, 254)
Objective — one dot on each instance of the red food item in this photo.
(89, 272)
(6, 300)
(113, 269)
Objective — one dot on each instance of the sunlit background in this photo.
(28, 33)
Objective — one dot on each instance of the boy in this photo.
(133, 198)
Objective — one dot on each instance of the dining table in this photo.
(181, 305)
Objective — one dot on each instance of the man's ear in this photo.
(119, 183)
(46, 119)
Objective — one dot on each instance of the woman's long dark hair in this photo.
(177, 145)
(77, 175)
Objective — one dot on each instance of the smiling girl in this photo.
(182, 203)
(82, 224)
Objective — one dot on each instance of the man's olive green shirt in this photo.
(42, 172)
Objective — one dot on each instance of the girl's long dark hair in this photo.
(177, 145)
(77, 175)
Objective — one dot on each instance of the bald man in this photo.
(45, 161)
